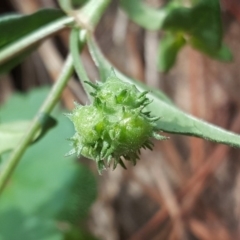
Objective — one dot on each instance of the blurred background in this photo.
(187, 188)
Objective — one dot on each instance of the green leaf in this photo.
(144, 15)
(168, 49)
(223, 54)
(45, 182)
(81, 194)
(17, 26)
(11, 134)
(14, 225)
(203, 27)
(173, 120)
(23, 33)
(202, 22)
(13, 123)
(23, 106)
(76, 233)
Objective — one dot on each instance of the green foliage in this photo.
(11, 134)
(15, 225)
(172, 119)
(46, 188)
(223, 54)
(19, 27)
(168, 49)
(78, 234)
(199, 25)
(143, 15)
(12, 25)
(81, 194)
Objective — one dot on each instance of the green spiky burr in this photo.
(114, 127)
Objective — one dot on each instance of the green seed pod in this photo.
(114, 127)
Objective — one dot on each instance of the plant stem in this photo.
(79, 68)
(46, 108)
(93, 10)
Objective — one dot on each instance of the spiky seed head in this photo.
(114, 127)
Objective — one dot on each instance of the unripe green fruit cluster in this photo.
(115, 126)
